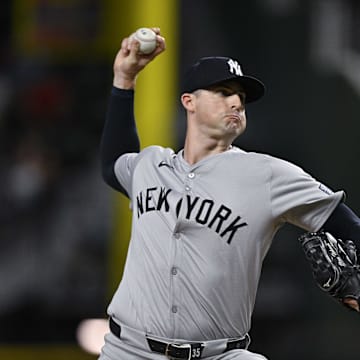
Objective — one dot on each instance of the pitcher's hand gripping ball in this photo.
(147, 39)
(334, 265)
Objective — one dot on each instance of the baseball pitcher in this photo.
(203, 219)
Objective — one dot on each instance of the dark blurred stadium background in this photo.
(62, 244)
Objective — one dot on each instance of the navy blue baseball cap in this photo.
(213, 70)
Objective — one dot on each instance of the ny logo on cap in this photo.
(234, 67)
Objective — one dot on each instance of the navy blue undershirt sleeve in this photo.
(343, 223)
(119, 134)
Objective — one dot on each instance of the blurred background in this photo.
(64, 233)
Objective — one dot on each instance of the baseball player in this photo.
(203, 218)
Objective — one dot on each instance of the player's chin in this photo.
(236, 127)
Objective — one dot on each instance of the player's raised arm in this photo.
(119, 134)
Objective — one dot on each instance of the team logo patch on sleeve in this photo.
(325, 189)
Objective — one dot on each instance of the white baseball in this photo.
(147, 39)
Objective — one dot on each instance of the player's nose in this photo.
(235, 103)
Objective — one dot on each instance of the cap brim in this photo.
(254, 89)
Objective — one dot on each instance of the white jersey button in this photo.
(177, 235)
(174, 271)
(187, 188)
(174, 309)
(191, 175)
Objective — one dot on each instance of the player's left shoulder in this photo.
(253, 156)
(266, 163)
(274, 162)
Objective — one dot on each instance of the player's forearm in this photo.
(343, 223)
(119, 134)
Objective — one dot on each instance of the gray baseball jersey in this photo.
(199, 236)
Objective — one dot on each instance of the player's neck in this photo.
(196, 150)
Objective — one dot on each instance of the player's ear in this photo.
(187, 100)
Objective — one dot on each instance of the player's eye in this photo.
(224, 91)
(227, 92)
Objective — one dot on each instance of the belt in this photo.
(184, 351)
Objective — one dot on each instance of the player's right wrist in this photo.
(122, 82)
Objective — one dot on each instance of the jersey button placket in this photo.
(174, 272)
(189, 178)
(175, 291)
